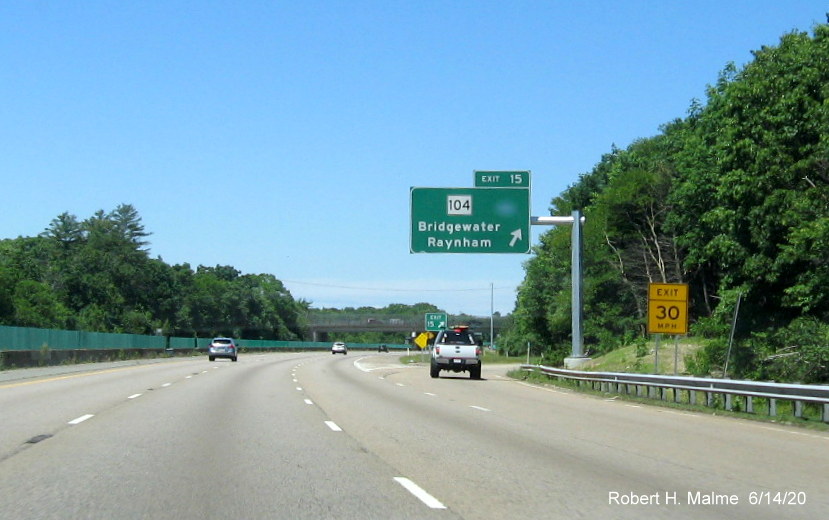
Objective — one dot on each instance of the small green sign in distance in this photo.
(497, 179)
(470, 220)
(436, 321)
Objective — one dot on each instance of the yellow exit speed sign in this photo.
(668, 308)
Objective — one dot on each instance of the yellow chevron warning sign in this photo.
(423, 339)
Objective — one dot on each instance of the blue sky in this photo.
(282, 137)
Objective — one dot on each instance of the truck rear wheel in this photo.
(475, 372)
(434, 371)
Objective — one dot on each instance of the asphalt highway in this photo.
(316, 436)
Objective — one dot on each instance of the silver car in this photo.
(339, 348)
(222, 348)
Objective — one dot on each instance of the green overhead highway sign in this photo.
(470, 220)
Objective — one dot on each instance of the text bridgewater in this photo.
(450, 228)
(458, 243)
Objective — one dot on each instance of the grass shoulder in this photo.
(665, 357)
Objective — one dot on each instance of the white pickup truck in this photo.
(456, 350)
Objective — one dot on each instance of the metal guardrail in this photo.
(658, 387)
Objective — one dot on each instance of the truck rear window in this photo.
(457, 338)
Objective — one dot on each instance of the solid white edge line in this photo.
(422, 495)
(81, 419)
(544, 389)
(333, 426)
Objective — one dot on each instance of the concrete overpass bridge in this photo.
(321, 325)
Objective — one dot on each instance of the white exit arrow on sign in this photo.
(516, 236)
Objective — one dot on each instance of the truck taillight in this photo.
(478, 351)
(437, 350)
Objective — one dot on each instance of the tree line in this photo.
(96, 275)
(732, 199)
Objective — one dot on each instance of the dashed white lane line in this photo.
(481, 408)
(299, 389)
(136, 396)
(333, 426)
(308, 401)
(418, 491)
(430, 394)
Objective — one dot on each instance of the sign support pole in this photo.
(656, 355)
(576, 275)
(492, 316)
(577, 356)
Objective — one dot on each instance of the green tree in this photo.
(97, 275)
(751, 200)
(65, 230)
(127, 224)
(7, 283)
(733, 200)
(35, 305)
